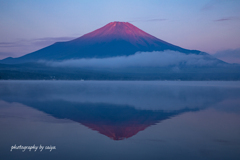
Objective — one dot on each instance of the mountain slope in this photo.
(111, 40)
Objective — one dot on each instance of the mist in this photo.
(140, 59)
(230, 56)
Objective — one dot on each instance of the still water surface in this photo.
(120, 120)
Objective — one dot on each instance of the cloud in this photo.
(149, 20)
(55, 39)
(156, 19)
(230, 56)
(7, 44)
(140, 59)
(211, 5)
(37, 41)
(208, 6)
(226, 19)
(24, 46)
(223, 19)
(50, 40)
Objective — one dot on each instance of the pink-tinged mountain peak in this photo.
(118, 28)
(120, 31)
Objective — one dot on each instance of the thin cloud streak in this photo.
(211, 5)
(55, 39)
(50, 40)
(149, 20)
(226, 19)
(7, 44)
(37, 41)
(24, 46)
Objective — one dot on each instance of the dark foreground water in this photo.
(103, 120)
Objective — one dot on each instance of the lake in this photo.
(106, 120)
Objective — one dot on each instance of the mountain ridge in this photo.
(112, 40)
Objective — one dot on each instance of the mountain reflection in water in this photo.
(117, 110)
(114, 121)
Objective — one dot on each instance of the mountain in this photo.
(112, 40)
(109, 53)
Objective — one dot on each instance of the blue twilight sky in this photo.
(207, 25)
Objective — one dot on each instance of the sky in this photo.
(210, 26)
